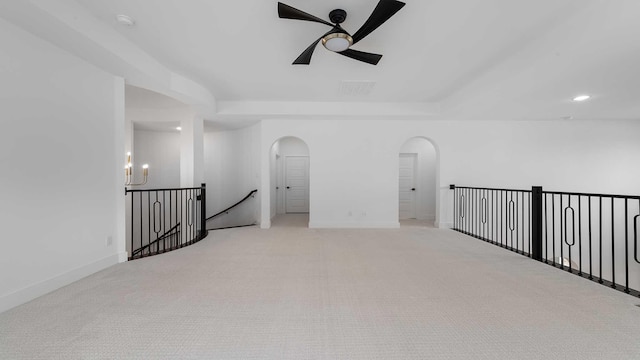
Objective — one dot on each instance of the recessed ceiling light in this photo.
(179, 128)
(582, 98)
(125, 20)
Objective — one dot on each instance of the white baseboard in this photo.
(44, 287)
(351, 225)
(265, 224)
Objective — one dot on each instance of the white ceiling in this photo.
(457, 59)
(139, 98)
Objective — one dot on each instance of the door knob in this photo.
(413, 189)
(288, 187)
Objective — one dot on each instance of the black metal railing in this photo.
(594, 236)
(228, 210)
(162, 220)
(499, 216)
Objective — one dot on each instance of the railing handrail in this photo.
(634, 197)
(234, 205)
(126, 190)
(164, 236)
(494, 189)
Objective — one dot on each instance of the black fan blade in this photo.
(383, 11)
(287, 12)
(362, 56)
(305, 57)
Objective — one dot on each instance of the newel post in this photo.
(536, 223)
(203, 210)
(455, 212)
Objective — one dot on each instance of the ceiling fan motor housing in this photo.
(337, 16)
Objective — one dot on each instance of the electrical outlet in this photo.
(109, 240)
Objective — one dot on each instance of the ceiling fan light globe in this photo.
(337, 42)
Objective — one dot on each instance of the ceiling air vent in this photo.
(356, 88)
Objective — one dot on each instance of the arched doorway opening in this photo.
(289, 178)
(418, 183)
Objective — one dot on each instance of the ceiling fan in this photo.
(337, 39)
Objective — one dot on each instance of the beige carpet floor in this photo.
(297, 293)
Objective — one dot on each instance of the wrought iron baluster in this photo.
(132, 226)
(484, 209)
(455, 210)
(511, 218)
(635, 235)
(579, 235)
(164, 222)
(522, 224)
(626, 246)
(562, 224)
(546, 231)
(568, 210)
(613, 247)
(553, 227)
(141, 223)
(600, 239)
(529, 227)
(157, 223)
(590, 245)
(493, 217)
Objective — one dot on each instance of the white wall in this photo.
(192, 152)
(161, 150)
(350, 171)
(425, 176)
(274, 190)
(61, 185)
(355, 163)
(231, 171)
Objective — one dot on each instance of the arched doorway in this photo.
(289, 178)
(418, 182)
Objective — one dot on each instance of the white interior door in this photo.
(407, 186)
(297, 184)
